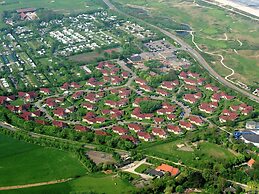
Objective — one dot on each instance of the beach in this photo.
(242, 7)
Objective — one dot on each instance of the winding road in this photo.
(193, 53)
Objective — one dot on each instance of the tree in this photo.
(179, 189)
(149, 106)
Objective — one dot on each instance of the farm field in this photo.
(23, 163)
(215, 30)
(89, 183)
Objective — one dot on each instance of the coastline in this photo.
(239, 6)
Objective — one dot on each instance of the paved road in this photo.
(193, 52)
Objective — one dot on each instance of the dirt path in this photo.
(34, 184)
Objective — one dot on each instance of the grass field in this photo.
(210, 24)
(97, 183)
(189, 155)
(62, 6)
(23, 163)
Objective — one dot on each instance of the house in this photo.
(190, 82)
(75, 85)
(101, 133)
(60, 113)
(182, 75)
(141, 82)
(251, 162)
(205, 107)
(166, 168)
(158, 120)
(81, 128)
(125, 75)
(26, 116)
(196, 120)
(91, 97)
(144, 136)
(211, 88)
(42, 122)
(171, 117)
(145, 88)
(77, 95)
(135, 127)
(190, 98)
(193, 75)
(154, 173)
(186, 125)
(50, 102)
(159, 132)
(215, 97)
(168, 85)
(129, 138)
(59, 124)
(230, 117)
(119, 130)
(88, 106)
(138, 100)
(174, 129)
(162, 92)
(65, 86)
(45, 91)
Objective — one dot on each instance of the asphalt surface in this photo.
(194, 53)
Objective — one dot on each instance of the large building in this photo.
(252, 125)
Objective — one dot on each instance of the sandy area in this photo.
(241, 7)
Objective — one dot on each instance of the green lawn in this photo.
(23, 163)
(97, 183)
(142, 168)
(204, 151)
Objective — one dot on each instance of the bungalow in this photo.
(45, 91)
(135, 127)
(59, 124)
(88, 106)
(91, 97)
(215, 97)
(138, 100)
(42, 122)
(125, 75)
(171, 117)
(182, 75)
(231, 117)
(227, 97)
(116, 80)
(60, 113)
(50, 102)
(196, 120)
(140, 81)
(205, 107)
(167, 85)
(129, 138)
(145, 88)
(28, 96)
(119, 130)
(166, 168)
(75, 85)
(174, 129)
(211, 88)
(81, 128)
(159, 132)
(65, 86)
(158, 120)
(190, 82)
(186, 125)
(124, 93)
(101, 133)
(26, 116)
(193, 75)
(110, 103)
(251, 162)
(190, 98)
(144, 136)
(77, 95)
(162, 92)
(247, 110)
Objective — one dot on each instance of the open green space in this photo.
(23, 163)
(96, 183)
(190, 153)
(60, 6)
(216, 30)
(142, 168)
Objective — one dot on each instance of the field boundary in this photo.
(34, 184)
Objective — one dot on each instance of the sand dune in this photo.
(236, 5)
